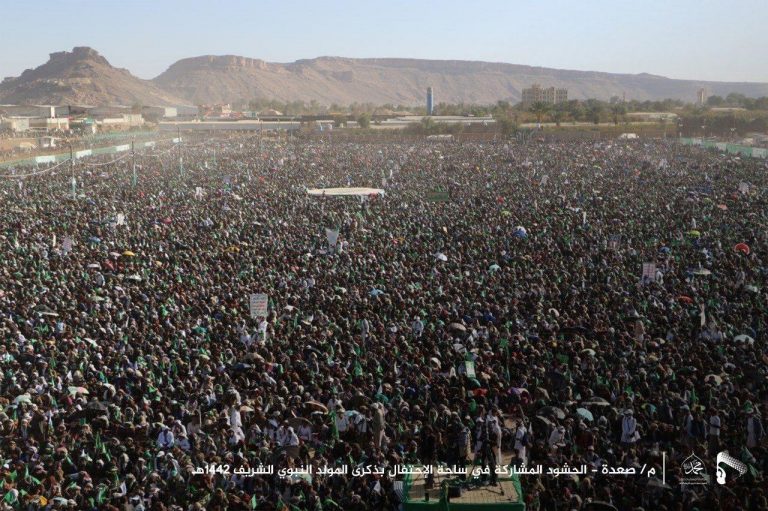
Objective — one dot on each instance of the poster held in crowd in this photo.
(744, 187)
(649, 273)
(259, 305)
(66, 245)
(332, 236)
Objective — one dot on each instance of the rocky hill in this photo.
(82, 77)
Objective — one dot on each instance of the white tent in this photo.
(346, 191)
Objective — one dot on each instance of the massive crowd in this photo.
(129, 356)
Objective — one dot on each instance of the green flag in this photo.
(254, 502)
(334, 429)
(101, 494)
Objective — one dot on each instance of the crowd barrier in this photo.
(64, 155)
(742, 150)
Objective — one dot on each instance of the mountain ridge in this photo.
(84, 76)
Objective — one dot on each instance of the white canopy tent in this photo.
(365, 192)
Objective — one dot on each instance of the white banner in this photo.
(332, 237)
(120, 219)
(649, 272)
(198, 192)
(259, 305)
(149, 144)
(83, 153)
(46, 159)
(66, 245)
(121, 148)
(759, 152)
(721, 146)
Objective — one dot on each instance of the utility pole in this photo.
(178, 142)
(72, 167)
(214, 157)
(133, 155)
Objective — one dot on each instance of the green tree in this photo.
(594, 110)
(428, 124)
(364, 120)
(540, 109)
(715, 101)
(618, 110)
(735, 99)
(506, 125)
(558, 113)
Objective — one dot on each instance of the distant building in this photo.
(159, 112)
(14, 124)
(430, 101)
(122, 123)
(42, 111)
(46, 142)
(218, 111)
(49, 124)
(536, 94)
(701, 96)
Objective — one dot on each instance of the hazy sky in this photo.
(696, 39)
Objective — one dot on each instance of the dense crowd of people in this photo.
(580, 303)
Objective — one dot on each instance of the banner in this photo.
(120, 219)
(46, 159)
(438, 196)
(121, 148)
(198, 192)
(649, 272)
(470, 366)
(83, 153)
(332, 237)
(259, 305)
(66, 245)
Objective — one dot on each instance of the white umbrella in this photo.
(23, 398)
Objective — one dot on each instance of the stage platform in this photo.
(505, 496)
